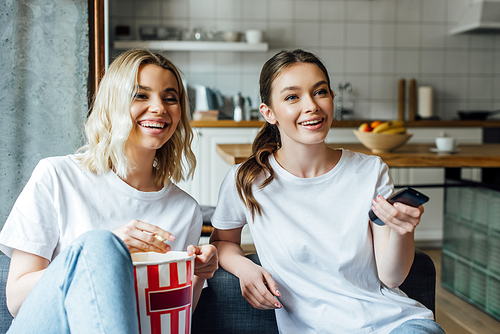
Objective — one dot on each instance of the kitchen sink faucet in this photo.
(343, 106)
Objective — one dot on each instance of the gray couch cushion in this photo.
(223, 310)
(5, 316)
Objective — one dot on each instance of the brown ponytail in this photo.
(268, 140)
(266, 143)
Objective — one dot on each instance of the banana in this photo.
(387, 125)
(399, 129)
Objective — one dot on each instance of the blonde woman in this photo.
(72, 229)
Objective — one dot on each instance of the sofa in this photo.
(222, 309)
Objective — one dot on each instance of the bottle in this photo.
(237, 113)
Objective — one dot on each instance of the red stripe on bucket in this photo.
(188, 319)
(188, 309)
(137, 298)
(153, 284)
(174, 276)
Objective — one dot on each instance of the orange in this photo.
(374, 124)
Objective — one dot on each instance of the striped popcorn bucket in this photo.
(163, 290)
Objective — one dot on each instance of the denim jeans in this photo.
(418, 326)
(88, 288)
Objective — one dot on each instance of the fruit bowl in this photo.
(382, 142)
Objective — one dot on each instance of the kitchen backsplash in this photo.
(369, 43)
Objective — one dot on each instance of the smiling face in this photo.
(155, 112)
(301, 105)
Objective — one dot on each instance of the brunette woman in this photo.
(325, 267)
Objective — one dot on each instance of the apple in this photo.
(365, 127)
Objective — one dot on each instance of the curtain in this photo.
(44, 48)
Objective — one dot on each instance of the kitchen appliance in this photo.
(476, 114)
(343, 106)
(203, 98)
(481, 16)
(242, 107)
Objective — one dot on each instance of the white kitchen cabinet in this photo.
(211, 168)
(430, 230)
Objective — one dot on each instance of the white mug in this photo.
(446, 143)
(254, 36)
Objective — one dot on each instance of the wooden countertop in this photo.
(410, 155)
(356, 123)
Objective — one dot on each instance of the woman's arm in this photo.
(394, 243)
(25, 270)
(205, 265)
(257, 285)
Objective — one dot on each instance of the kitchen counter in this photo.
(355, 124)
(410, 155)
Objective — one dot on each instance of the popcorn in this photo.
(159, 237)
(162, 239)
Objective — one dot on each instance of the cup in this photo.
(231, 36)
(446, 144)
(254, 36)
(163, 289)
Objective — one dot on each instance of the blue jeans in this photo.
(88, 288)
(418, 326)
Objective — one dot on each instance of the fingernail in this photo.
(278, 293)
(172, 237)
(277, 305)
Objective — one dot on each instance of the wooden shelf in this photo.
(192, 46)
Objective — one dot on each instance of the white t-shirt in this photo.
(314, 238)
(61, 201)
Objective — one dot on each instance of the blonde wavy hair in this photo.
(109, 124)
